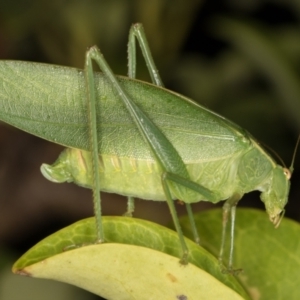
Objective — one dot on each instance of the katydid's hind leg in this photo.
(229, 210)
(170, 202)
(163, 150)
(208, 195)
(130, 207)
(137, 32)
(190, 185)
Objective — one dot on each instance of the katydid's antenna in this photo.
(275, 154)
(291, 168)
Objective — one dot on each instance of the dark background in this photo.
(238, 58)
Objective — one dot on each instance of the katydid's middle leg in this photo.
(130, 207)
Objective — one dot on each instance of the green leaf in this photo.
(269, 257)
(162, 246)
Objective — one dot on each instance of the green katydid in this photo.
(139, 139)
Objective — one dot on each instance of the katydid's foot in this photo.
(197, 241)
(128, 214)
(229, 270)
(184, 259)
(130, 207)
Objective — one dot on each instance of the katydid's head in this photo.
(276, 194)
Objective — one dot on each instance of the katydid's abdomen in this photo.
(242, 172)
(142, 177)
(198, 135)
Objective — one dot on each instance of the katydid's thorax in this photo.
(242, 172)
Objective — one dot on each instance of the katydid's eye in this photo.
(287, 173)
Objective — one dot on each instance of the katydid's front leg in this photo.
(229, 207)
(137, 32)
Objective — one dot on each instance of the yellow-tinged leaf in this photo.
(122, 231)
(119, 271)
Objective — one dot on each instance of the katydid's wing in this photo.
(50, 102)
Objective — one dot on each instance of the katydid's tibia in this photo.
(140, 140)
